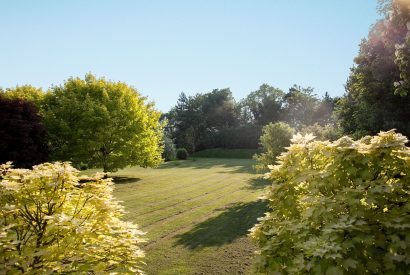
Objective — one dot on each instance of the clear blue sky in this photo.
(164, 48)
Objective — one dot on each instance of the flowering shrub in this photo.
(338, 207)
(52, 221)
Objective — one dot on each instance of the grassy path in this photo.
(196, 214)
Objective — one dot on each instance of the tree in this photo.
(23, 135)
(187, 114)
(323, 113)
(275, 137)
(377, 89)
(103, 124)
(25, 92)
(300, 106)
(170, 150)
(52, 221)
(338, 208)
(262, 106)
(201, 118)
(219, 109)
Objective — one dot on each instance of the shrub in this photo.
(338, 208)
(182, 153)
(326, 132)
(51, 222)
(170, 151)
(22, 133)
(275, 137)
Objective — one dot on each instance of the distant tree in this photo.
(275, 137)
(300, 105)
(324, 111)
(262, 106)
(188, 112)
(202, 117)
(103, 124)
(170, 151)
(23, 135)
(26, 92)
(219, 109)
(377, 90)
(191, 139)
(54, 222)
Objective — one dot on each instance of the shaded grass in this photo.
(196, 214)
(232, 223)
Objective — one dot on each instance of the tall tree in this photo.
(188, 113)
(300, 105)
(101, 123)
(323, 114)
(377, 90)
(23, 135)
(26, 92)
(263, 105)
(202, 117)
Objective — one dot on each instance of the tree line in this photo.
(376, 98)
(216, 120)
(91, 122)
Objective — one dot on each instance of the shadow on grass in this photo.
(258, 183)
(233, 165)
(123, 180)
(231, 224)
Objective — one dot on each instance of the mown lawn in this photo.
(196, 214)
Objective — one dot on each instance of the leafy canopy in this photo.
(52, 221)
(338, 207)
(377, 95)
(102, 124)
(22, 133)
(25, 92)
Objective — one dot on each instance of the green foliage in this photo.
(52, 221)
(182, 153)
(26, 92)
(22, 133)
(377, 89)
(215, 120)
(196, 119)
(338, 207)
(300, 105)
(402, 60)
(275, 137)
(170, 151)
(103, 124)
(326, 132)
(262, 106)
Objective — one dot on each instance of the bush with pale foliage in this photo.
(338, 207)
(53, 221)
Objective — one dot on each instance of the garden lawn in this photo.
(196, 214)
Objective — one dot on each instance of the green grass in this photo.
(227, 153)
(196, 214)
